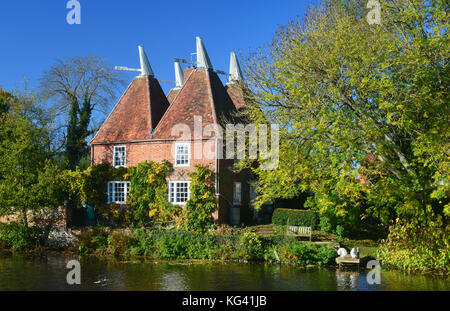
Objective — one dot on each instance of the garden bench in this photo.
(299, 231)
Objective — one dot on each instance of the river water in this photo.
(48, 272)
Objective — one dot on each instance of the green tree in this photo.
(23, 152)
(359, 102)
(5, 100)
(79, 86)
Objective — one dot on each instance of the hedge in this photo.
(296, 217)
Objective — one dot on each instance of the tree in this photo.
(23, 153)
(5, 100)
(79, 86)
(359, 102)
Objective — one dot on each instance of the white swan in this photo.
(353, 253)
(342, 252)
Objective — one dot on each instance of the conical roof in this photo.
(203, 95)
(138, 111)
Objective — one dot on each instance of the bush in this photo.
(281, 216)
(184, 245)
(417, 247)
(19, 237)
(306, 253)
(118, 243)
(141, 243)
(91, 240)
(251, 246)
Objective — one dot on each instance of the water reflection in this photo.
(173, 281)
(350, 280)
(48, 272)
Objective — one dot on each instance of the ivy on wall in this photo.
(202, 201)
(147, 198)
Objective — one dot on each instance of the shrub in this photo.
(118, 243)
(184, 245)
(85, 244)
(99, 238)
(19, 237)
(143, 242)
(306, 253)
(91, 240)
(251, 246)
(281, 216)
(417, 247)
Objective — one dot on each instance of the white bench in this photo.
(299, 231)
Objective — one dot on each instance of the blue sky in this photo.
(35, 33)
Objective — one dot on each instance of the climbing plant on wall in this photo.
(90, 186)
(147, 198)
(202, 201)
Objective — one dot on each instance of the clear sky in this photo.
(33, 34)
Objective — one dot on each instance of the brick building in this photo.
(147, 125)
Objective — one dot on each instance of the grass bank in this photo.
(178, 244)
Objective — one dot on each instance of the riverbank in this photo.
(179, 244)
(158, 243)
(225, 244)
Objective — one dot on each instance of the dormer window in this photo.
(120, 156)
(182, 153)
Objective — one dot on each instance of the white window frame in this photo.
(173, 185)
(112, 193)
(186, 145)
(237, 200)
(124, 157)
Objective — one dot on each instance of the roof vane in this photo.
(235, 69)
(179, 76)
(202, 56)
(145, 70)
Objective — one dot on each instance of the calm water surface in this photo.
(48, 272)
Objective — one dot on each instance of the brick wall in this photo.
(164, 150)
(156, 151)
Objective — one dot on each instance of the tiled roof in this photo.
(236, 94)
(172, 94)
(204, 95)
(138, 111)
